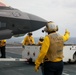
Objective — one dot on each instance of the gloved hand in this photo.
(36, 68)
(66, 31)
(23, 46)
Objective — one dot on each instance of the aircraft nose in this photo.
(36, 22)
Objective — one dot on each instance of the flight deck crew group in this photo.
(51, 52)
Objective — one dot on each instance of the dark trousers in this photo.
(42, 68)
(3, 53)
(53, 68)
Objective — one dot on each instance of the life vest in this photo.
(56, 47)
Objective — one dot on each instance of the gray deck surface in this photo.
(22, 68)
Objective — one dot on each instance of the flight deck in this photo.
(23, 68)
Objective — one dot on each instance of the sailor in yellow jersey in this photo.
(51, 52)
(2, 48)
(28, 40)
(40, 42)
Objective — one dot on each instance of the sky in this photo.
(62, 12)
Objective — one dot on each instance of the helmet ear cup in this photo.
(46, 29)
(57, 28)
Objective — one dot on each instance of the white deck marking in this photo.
(15, 47)
(66, 74)
(12, 59)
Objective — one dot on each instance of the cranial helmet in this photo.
(51, 27)
(41, 38)
(30, 33)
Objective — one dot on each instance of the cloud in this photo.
(62, 12)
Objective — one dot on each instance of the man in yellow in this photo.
(51, 52)
(28, 40)
(2, 48)
(40, 42)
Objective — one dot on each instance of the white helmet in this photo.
(51, 27)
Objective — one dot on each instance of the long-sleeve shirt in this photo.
(28, 40)
(45, 47)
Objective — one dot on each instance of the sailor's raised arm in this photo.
(66, 36)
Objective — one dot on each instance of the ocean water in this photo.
(72, 40)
